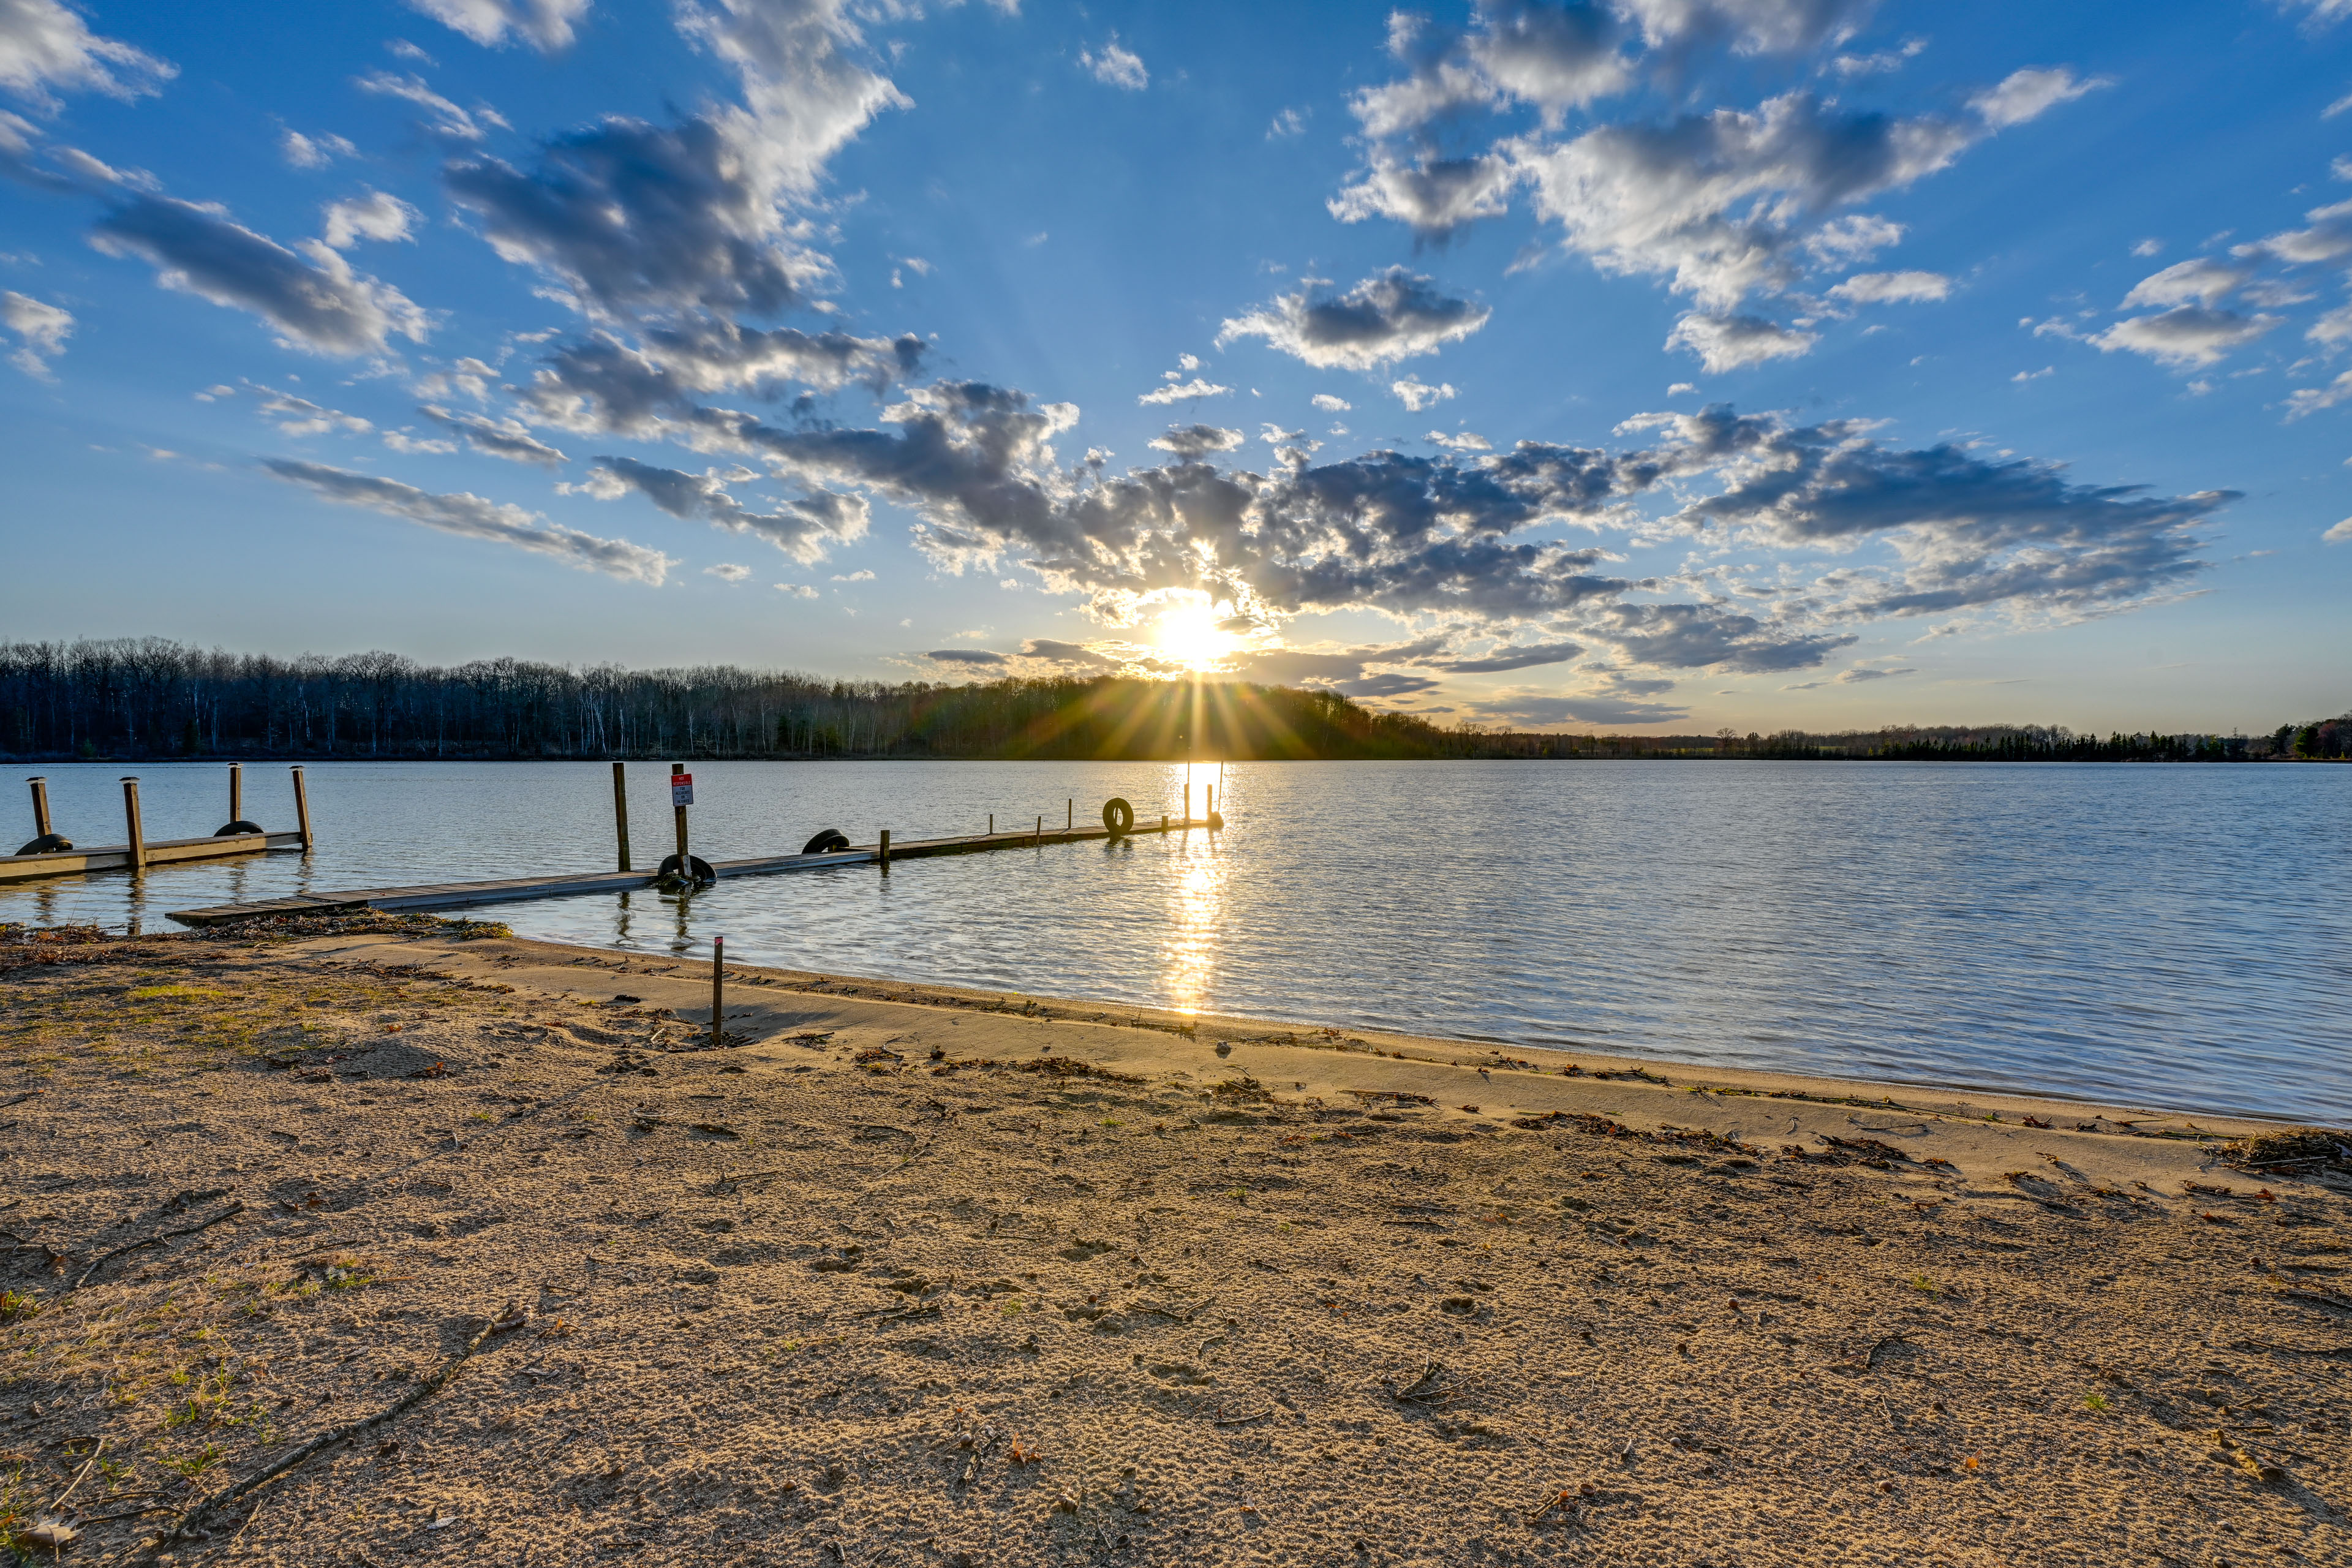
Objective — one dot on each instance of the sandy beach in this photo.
(517, 1267)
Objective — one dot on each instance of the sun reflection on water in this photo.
(1196, 907)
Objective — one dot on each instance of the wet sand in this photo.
(903, 1274)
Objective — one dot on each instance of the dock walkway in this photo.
(515, 889)
(161, 852)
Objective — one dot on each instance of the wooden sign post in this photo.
(681, 795)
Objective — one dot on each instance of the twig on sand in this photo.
(1564, 1501)
(158, 1239)
(1241, 1420)
(1427, 1387)
(511, 1319)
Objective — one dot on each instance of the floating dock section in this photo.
(120, 857)
(472, 895)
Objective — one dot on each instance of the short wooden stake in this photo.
(621, 809)
(718, 992)
(1041, 833)
(685, 864)
(236, 792)
(138, 832)
(41, 828)
(882, 851)
(1188, 803)
(991, 824)
(1071, 824)
(1209, 809)
(1163, 822)
(302, 811)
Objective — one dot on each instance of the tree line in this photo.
(152, 697)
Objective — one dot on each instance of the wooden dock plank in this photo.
(161, 852)
(515, 889)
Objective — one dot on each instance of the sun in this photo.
(1188, 633)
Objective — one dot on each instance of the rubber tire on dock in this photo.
(49, 844)
(239, 826)
(1119, 816)
(703, 874)
(826, 842)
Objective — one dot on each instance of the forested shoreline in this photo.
(151, 699)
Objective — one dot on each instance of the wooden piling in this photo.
(138, 831)
(236, 792)
(718, 992)
(1209, 806)
(621, 808)
(41, 828)
(1163, 822)
(1040, 840)
(882, 852)
(685, 864)
(1070, 826)
(991, 824)
(302, 811)
(1188, 800)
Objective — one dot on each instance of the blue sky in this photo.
(1631, 364)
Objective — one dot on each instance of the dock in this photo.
(517, 889)
(124, 857)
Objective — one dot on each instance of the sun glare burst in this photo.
(1188, 633)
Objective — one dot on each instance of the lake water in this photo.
(2164, 936)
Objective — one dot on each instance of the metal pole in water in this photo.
(621, 809)
(718, 995)
(302, 810)
(138, 832)
(41, 828)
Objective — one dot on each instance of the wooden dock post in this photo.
(1188, 800)
(1163, 822)
(1209, 806)
(685, 864)
(991, 824)
(236, 792)
(302, 811)
(1041, 833)
(1071, 813)
(138, 832)
(882, 852)
(718, 995)
(41, 828)
(621, 808)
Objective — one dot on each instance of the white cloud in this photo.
(313, 151)
(444, 118)
(44, 47)
(545, 24)
(41, 330)
(1330, 404)
(473, 517)
(1862, 672)
(728, 572)
(1288, 122)
(1463, 441)
(300, 417)
(1389, 316)
(1682, 389)
(1883, 288)
(1116, 67)
(508, 438)
(418, 446)
(1731, 343)
(860, 576)
(2027, 94)
(374, 217)
(314, 300)
(1191, 441)
(2340, 534)
(2025, 375)
(805, 528)
(1178, 392)
(2146, 247)
(1417, 395)
(2189, 335)
(2201, 278)
(2305, 401)
(2334, 327)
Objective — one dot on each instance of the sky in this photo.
(1642, 366)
